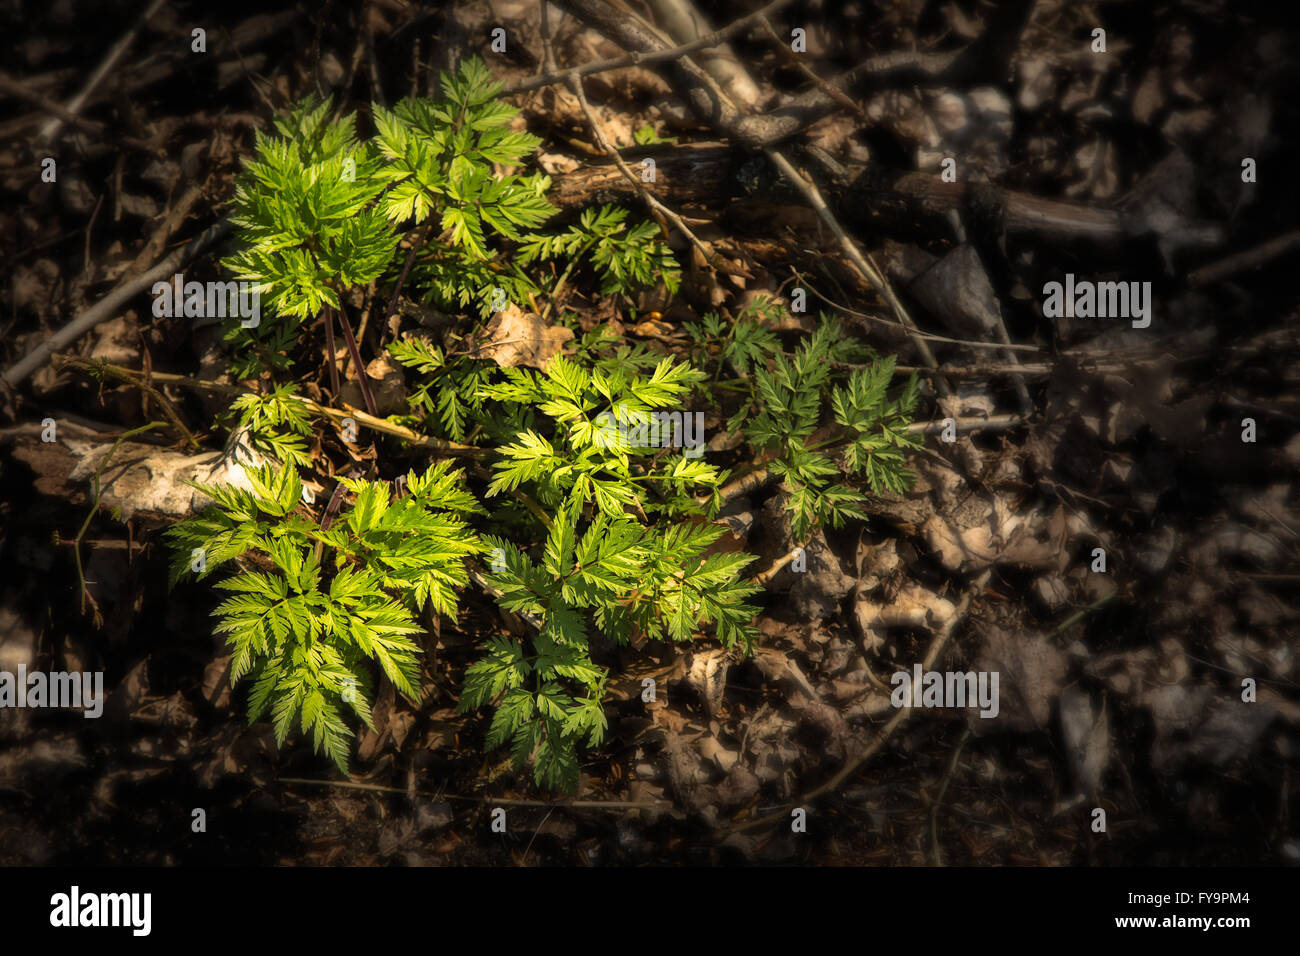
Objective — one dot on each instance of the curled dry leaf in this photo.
(514, 338)
(1086, 730)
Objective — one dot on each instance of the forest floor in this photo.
(1114, 528)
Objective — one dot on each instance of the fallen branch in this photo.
(637, 58)
(1253, 258)
(105, 67)
(107, 307)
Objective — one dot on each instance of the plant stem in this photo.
(329, 350)
(420, 240)
(564, 277)
(355, 353)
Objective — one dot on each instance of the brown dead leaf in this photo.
(1031, 672)
(708, 677)
(514, 338)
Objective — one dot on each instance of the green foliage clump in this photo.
(319, 211)
(601, 432)
(305, 211)
(310, 608)
(624, 257)
(620, 578)
(599, 533)
(450, 392)
(439, 164)
(783, 414)
(277, 424)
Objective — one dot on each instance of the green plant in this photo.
(596, 454)
(618, 577)
(625, 258)
(786, 404)
(308, 226)
(439, 164)
(599, 532)
(452, 387)
(277, 423)
(309, 606)
(318, 212)
(744, 344)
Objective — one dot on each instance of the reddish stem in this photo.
(329, 349)
(356, 362)
(406, 269)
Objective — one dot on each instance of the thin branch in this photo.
(372, 422)
(105, 67)
(103, 369)
(764, 576)
(716, 38)
(709, 255)
(108, 306)
(1252, 258)
(862, 261)
(97, 492)
(793, 59)
(964, 425)
(928, 336)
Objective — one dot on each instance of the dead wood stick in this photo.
(686, 173)
(709, 255)
(1252, 258)
(764, 576)
(637, 58)
(107, 307)
(14, 88)
(964, 425)
(105, 66)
